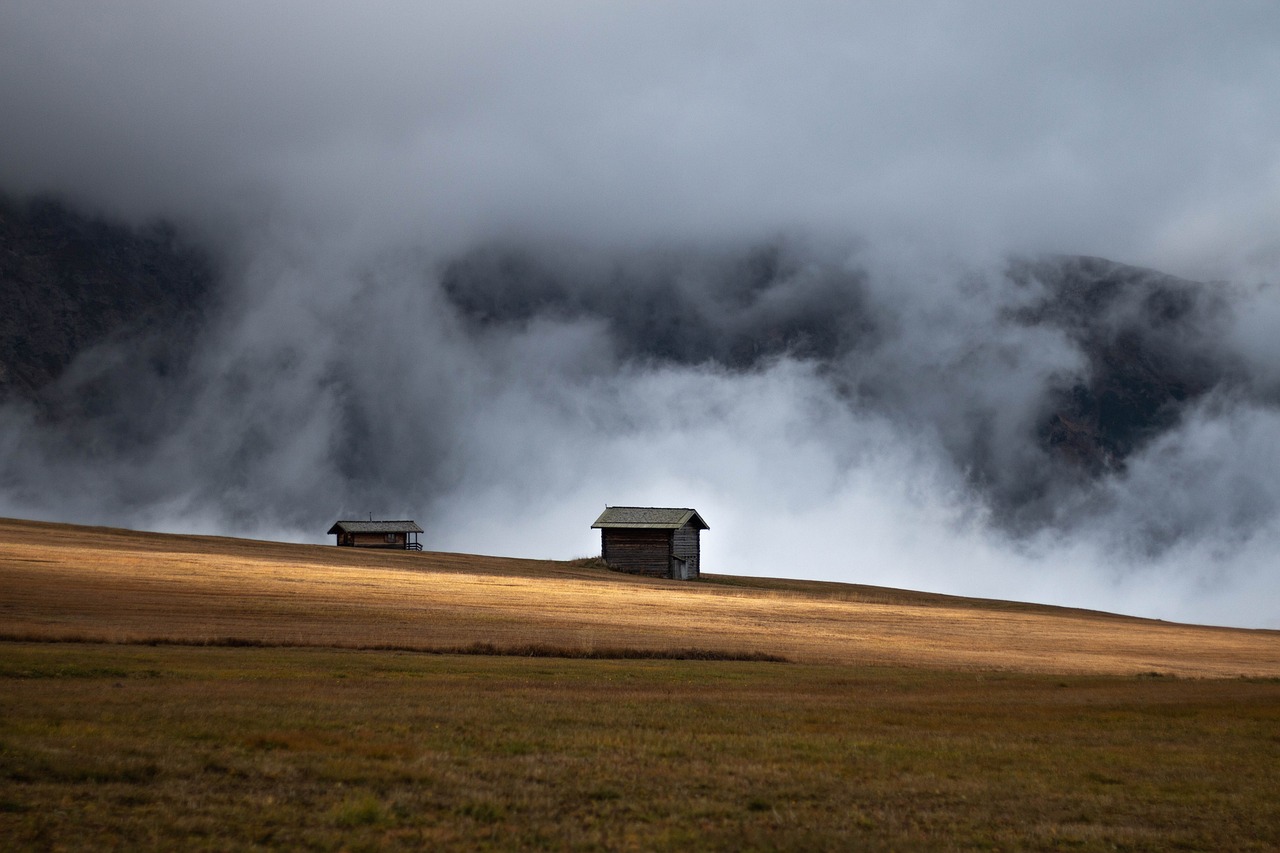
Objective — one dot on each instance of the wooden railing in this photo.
(413, 546)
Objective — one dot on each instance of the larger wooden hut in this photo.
(401, 535)
(657, 541)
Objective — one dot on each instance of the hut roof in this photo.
(375, 527)
(654, 517)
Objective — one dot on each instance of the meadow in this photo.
(162, 692)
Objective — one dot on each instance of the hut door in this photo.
(679, 569)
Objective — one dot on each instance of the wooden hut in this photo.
(400, 535)
(657, 541)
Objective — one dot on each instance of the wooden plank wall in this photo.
(639, 552)
(684, 544)
(376, 540)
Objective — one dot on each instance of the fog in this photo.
(495, 266)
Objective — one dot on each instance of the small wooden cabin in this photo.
(400, 535)
(657, 541)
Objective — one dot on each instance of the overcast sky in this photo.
(1142, 131)
(320, 144)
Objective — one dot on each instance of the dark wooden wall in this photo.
(639, 552)
(650, 552)
(371, 540)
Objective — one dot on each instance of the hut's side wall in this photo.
(684, 544)
(637, 552)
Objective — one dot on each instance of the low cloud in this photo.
(496, 267)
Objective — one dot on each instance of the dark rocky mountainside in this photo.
(100, 322)
(1151, 343)
(69, 282)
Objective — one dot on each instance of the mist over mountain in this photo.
(1109, 357)
(1045, 391)
(978, 298)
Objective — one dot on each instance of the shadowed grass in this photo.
(214, 748)
(526, 650)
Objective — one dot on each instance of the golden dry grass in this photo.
(67, 582)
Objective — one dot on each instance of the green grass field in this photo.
(173, 747)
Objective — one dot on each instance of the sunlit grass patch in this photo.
(362, 809)
(69, 584)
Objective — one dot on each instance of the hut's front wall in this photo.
(372, 540)
(637, 551)
(684, 546)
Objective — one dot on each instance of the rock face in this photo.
(1148, 341)
(69, 282)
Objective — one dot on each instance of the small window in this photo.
(391, 537)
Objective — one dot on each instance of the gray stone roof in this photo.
(654, 517)
(375, 527)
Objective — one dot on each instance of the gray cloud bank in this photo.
(1142, 131)
(496, 266)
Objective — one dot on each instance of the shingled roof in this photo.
(653, 517)
(375, 527)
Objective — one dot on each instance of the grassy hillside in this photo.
(227, 694)
(61, 582)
